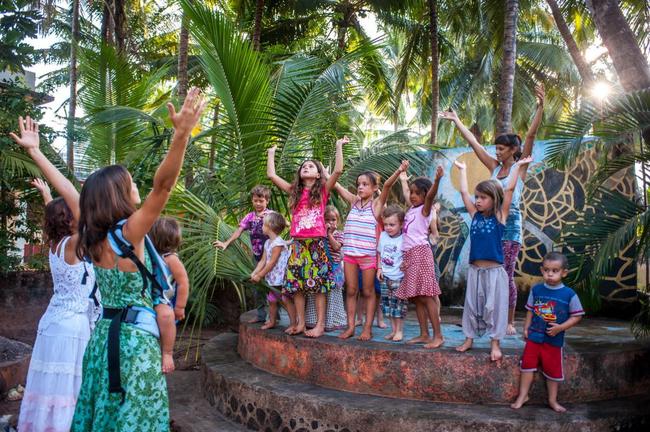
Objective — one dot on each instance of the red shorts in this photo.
(546, 355)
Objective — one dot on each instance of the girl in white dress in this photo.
(54, 375)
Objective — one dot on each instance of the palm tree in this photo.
(507, 76)
(435, 60)
(72, 110)
(583, 68)
(257, 25)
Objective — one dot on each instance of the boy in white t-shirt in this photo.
(389, 260)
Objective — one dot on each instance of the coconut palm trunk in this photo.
(435, 86)
(583, 68)
(628, 59)
(257, 28)
(507, 76)
(72, 110)
(183, 44)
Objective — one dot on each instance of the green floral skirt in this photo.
(145, 406)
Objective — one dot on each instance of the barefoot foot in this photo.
(436, 343)
(298, 329)
(289, 330)
(389, 336)
(398, 336)
(347, 334)
(519, 402)
(366, 334)
(268, 325)
(495, 354)
(254, 320)
(316, 332)
(557, 407)
(467, 345)
(511, 330)
(420, 339)
(382, 325)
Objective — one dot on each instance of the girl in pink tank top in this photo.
(360, 244)
(420, 284)
(309, 269)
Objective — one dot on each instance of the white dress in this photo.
(54, 375)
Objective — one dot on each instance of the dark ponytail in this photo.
(512, 141)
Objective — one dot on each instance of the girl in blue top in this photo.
(508, 151)
(486, 295)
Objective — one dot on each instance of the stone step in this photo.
(189, 411)
(266, 402)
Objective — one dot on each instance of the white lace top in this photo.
(70, 295)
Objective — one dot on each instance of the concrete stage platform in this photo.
(602, 361)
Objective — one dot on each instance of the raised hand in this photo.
(40, 185)
(540, 94)
(448, 115)
(460, 165)
(525, 160)
(404, 166)
(220, 245)
(404, 177)
(439, 172)
(28, 134)
(342, 141)
(190, 112)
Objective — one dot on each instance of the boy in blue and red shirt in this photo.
(552, 308)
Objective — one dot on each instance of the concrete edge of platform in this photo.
(263, 401)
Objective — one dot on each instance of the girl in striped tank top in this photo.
(360, 244)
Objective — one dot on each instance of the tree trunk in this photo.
(507, 77)
(346, 11)
(630, 64)
(213, 140)
(72, 111)
(583, 68)
(119, 16)
(435, 90)
(183, 46)
(257, 28)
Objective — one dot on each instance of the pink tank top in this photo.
(416, 228)
(308, 221)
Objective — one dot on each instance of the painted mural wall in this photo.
(550, 200)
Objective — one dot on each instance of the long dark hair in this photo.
(105, 200)
(58, 221)
(315, 194)
(510, 140)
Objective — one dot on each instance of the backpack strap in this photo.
(125, 250)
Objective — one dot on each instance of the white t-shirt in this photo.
(277, 275)
(390, 249)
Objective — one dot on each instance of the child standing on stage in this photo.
(309, 270)
(335, 318)
(389, 256)
(486, 296)
(553, 308)
(166, 237)
(420, 284)
(508, 151)
(273, 268)
(360, 245)
(252, 222)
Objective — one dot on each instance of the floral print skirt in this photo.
(309, 269)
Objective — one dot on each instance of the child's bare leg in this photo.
(511, 330)
(299, 301)
(495, 352)
(525, 381)
(399, 333)
(393, 329)
(361, 309)
(424, 325)
(432, 305)
(368, 278)
(552, 387)
(351, 290)
(167, 327)
(321, 309)
(291, 311)
(273, 311)
(467, 345)
(380, 313)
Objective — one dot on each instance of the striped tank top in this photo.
(360, 232)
